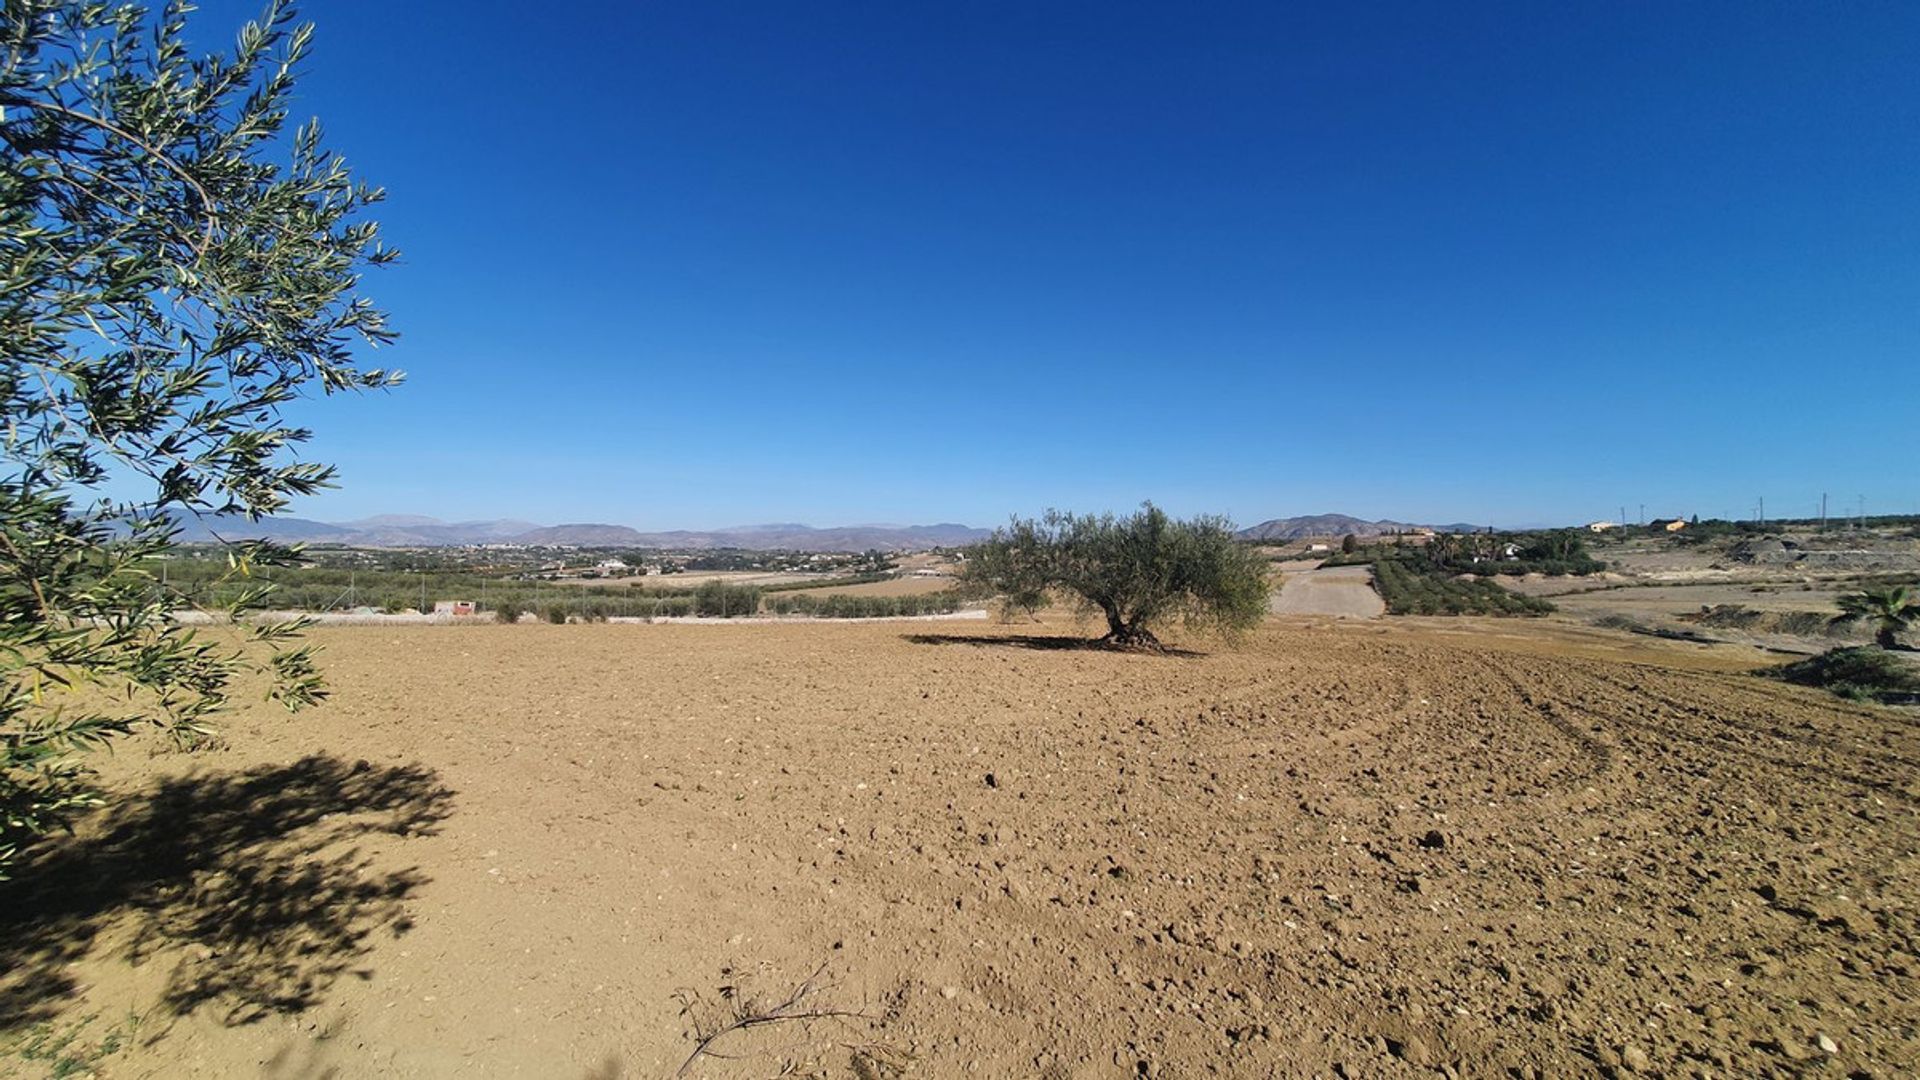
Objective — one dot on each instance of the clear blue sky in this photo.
(696, 264)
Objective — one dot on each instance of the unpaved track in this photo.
(1391, 849)
(1345, 591)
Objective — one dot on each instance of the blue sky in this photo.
(688, 264)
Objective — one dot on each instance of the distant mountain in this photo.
(391, 521)
(1325, 525)
(581, 536)
(410, 530)
(844, 538)
(286, 530)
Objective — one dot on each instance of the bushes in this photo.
(1410, 589)
(846, 579)
(865, 607)
(1740, 617)
(672, 607)
(1861, 674)
(717, 599)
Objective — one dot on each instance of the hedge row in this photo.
(864, 607)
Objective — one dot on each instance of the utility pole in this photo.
(1763, 509)
(1643, 513)
(1823, 511)
(1623, 515)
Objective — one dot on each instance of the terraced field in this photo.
(1367, 849)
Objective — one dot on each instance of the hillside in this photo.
(1299, 528)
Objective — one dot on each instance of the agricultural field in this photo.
(1773, 589)
(906, 586)
(1367, 848)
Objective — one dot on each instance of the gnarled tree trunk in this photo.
(1123, 634)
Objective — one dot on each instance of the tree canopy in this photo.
(1138, 572)
(177, 266)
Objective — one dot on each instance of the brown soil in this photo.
(1337, 590)
(1377, 849)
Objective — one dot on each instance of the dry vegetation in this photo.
(1386, 848)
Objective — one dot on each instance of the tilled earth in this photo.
(1362, 850)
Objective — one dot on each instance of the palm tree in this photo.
(1892, 609)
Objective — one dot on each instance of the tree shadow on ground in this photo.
(249, 882)
(1046, 643)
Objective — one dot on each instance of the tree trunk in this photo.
(1122, 635)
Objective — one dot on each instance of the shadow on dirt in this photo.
(248, 882)
(1045, 643)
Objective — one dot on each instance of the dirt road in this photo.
(560, 851)
(1345, 591)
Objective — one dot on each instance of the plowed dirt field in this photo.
(1359, 850)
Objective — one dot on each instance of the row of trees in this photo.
(1410, 588)
(716, 600)
(843, 606)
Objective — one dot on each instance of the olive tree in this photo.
(176, 266)
(1138, 572)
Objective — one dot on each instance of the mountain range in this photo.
(408, 530)
(1299, 528)
(412, 530)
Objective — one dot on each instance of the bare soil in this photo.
(1387, 848)
(1345, 591)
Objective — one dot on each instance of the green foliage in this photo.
(1741, 617)
(717, 599)
(76, 1049)
(556, 614)
(168, 289)
(1892, 610)
(672, 607)
(1860, 673)
(866, 607)
(1410, 586)
(1557, 553)
(1138, 571)
(866, 578)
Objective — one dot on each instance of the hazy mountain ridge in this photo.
(413, 530)
(1336, 525)
(409, 530)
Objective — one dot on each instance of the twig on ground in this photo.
(747, 1013)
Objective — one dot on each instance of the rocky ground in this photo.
(1359, 849)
